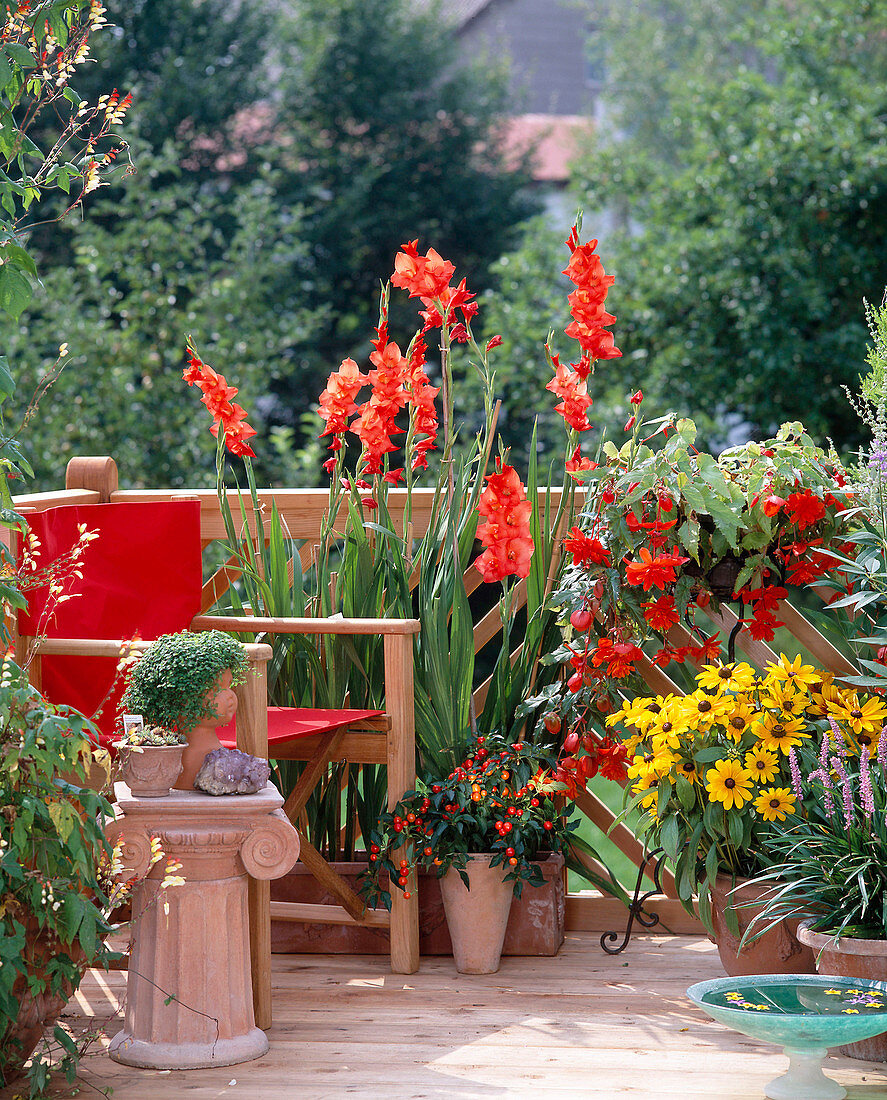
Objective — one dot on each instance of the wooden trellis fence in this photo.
(94, 480)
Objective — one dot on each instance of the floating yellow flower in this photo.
(780, 732)
(719, 678)
(728, 782)
(763, 764)
(774, 803)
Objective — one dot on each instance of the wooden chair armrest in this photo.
(255, 624)
(107, 647)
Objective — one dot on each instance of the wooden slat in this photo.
(255, 624)
(39, 502)
(491, 623)
(401, 764)
(809, 637)
(326, 750)
(596, 913)
(332, 882)
(327, 914)
(621, 835)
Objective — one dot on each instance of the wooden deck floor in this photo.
(582, 1024)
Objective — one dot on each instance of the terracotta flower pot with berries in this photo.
(501, 803)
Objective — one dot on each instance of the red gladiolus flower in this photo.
(423, 276)
(577, 463)
(493, 342)
(637, 398)
(585, 549)
(653, 572)
(573, 391)
(804, 509)
(423, 414)
(217, 396)
(337, 403)
(376, 422)
(587, 301)
(506, 534)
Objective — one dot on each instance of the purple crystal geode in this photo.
(230, 771)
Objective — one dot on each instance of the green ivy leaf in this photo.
(15, 291)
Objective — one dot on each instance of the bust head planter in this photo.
(185, 682)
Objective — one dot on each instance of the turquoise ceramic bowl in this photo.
(796, 1010)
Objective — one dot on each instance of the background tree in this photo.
(753, 179)
(397, 139)
(283, 153)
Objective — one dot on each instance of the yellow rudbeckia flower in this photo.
(763, 764)
(774, 803)
(728, 782)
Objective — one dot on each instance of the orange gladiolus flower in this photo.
(423, 276)
(217, 396)
(506, 534)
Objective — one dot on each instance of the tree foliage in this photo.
(753, 182)
(282, 155)
(398, 139)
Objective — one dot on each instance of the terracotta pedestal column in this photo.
(189, 994)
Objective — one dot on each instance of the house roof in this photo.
(555, 138)
(459, 12)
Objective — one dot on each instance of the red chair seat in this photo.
(285, 723)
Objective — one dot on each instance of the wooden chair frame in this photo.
(389, 740)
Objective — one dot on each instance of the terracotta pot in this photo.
(203, 739)
(850, 958)
(477, 915)
(776, 952)
(149, 770)
(36, 1011)
(535, 924)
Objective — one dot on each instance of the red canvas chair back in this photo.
(142, 574)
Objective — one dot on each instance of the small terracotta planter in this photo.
(850, 958)
(150, 771)
(778, 951)
(477, 915)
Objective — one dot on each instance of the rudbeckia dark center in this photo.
(731, 783)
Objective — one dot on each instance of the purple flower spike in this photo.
(844, 779)
(796, 773)
(865, 784)
(882, 749)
